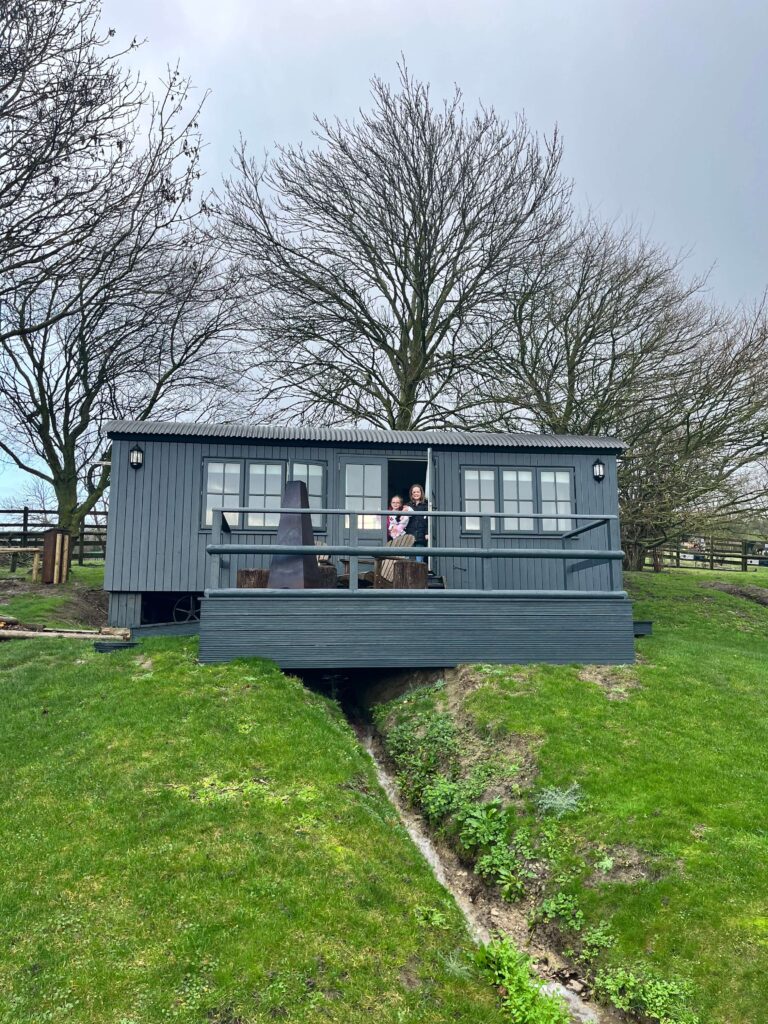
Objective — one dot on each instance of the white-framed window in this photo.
(479, 491)
(556, 499)
(313, 475)
(222, 489)
(517, 499)
(363, 489)
(264, 490)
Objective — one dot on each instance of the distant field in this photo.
(208, 845)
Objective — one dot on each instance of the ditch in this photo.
(357, 692)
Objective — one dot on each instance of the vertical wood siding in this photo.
(156, 542)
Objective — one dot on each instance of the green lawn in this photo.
(669, 842)
(206, 844)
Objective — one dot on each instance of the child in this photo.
(396, 523)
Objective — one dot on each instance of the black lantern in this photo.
(598, 470)
(136, 457)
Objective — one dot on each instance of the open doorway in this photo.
(402, 474)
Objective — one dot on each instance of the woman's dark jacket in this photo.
(417, 525)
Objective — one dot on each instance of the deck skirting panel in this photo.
(402, 630)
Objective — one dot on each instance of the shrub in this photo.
(562, 908)
(595, 941)
(423, 746)
(522, 998)
(559, 802)
(500, 866)
(642, 990)
(481, 826)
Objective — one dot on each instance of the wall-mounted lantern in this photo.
(136, 457)
(598, 470)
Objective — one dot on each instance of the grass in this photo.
(53, 606)
(209, 844)
(674, 775)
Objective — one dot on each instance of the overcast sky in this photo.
(662, 104)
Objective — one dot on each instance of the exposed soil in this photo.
(757, 594)
(519, 751)
(616, 681)
(624, 864)
(83, 606)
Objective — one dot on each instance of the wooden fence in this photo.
(710, 553)
(24, 528)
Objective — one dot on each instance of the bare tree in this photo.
(377, 259)
(162, 343)
(617, 342)
(113, 301)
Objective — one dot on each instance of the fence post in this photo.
(81, 543)
(744, 556)
(677, 554)
(711, 552)
(24, 526)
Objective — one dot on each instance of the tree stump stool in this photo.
(252, 579)
(409, 575)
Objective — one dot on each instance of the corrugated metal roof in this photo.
(358, 435)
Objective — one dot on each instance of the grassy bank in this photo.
(79, 602)
(624, 809)
(206, 844)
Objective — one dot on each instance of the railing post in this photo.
(353, 542)
(744, 556)
(217, 533)
(485, 541)
(24, 526)
(81, 544)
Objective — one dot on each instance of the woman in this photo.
(397, 523)
(417, 525)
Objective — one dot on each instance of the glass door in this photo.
(362, 487)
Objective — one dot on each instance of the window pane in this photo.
(373, 481)
(215, 477)
(471, 484)
(274, 478)
(487, 483)
(354, 479)
(299, 471)
(232, 477)
(315, 477)
(564, 486)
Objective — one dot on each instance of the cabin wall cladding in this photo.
(156, 541)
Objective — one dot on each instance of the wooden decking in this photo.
(357, 628)
(400, 629)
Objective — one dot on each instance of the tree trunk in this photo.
(634, 556)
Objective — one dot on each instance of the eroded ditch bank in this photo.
(486, 914)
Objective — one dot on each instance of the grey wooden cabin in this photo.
(524, 533)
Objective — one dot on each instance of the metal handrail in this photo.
(354, 550)
(599, 518)
(380, 551)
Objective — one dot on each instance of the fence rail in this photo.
(24, 527)
(710, 553)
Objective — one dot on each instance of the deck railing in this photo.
(354, 550)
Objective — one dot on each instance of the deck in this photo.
(354, 628)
